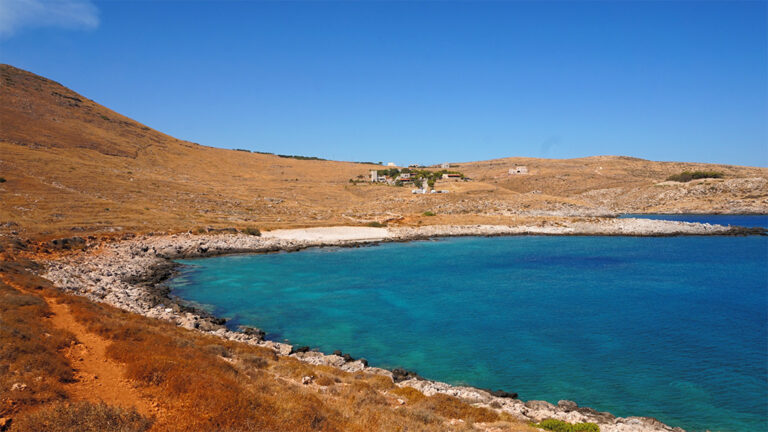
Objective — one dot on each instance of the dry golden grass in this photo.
(81, 417)
(32, 371)
(74, 167)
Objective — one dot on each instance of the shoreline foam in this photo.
(130, 275)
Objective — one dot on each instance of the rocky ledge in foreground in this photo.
(129, 275)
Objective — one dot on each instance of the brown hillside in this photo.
(73, 166)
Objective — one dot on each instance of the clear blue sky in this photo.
(417, 82)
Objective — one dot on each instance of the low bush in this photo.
(252, 231)
(2, 179)
(451, 407)
(687, 176)
(299, 157)
(429, 213)
(409, 393)
(81, 417)
(376, 224)
(561, 426)
(218, 350)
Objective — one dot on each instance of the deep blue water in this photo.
(673, 328)
(735, 220)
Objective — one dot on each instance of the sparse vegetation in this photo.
(428, 213)
(82, 417)
(301, 157)
(418, 175)
(561, 426)
(252, 231)
(687, 176)
(376, 224)
(32, 370)
(2, 180)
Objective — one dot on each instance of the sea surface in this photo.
(673, 327)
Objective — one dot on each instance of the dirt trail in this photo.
(97, 378)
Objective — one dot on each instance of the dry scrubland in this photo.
(70, 167)
(73, 166)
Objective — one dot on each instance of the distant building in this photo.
(520, 169)
(451, 176)
(374, 176)
(445, 165)
(391, 164)
(405, 176)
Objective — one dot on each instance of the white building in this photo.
(445, 165)
(520, 169)
(391, 164)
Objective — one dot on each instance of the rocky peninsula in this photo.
(129, 274)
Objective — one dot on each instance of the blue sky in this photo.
(417, 82)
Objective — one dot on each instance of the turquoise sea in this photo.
(674, 328)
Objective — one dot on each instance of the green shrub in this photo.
(299, 157)
(561, 426)
(429, 213)
(687, 176)
(376, 224)
(2, 179)
(252, 231)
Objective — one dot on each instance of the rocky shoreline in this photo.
(129, 274)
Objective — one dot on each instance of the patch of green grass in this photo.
(687, 176)
(429, 213)
(561, 426)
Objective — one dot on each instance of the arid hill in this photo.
(73, 166)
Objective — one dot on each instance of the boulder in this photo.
(68, 243)
(503, 394)
(301, 349)
(400, 374)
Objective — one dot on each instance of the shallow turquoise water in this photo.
(673, 328)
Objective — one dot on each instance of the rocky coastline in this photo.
(129, 274)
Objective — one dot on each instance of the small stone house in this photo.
(520, 169)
